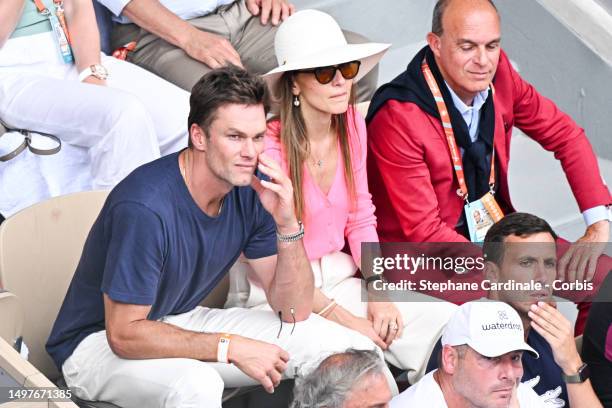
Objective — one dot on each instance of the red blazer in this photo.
(410, 173)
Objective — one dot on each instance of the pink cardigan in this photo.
(328, 219)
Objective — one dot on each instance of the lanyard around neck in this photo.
(462, 191)
(40, 6)
(59, 8)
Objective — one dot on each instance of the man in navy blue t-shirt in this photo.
(130, 330)
(521, 249)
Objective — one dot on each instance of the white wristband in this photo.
(84, 74)
(223, 348)
(96, 70)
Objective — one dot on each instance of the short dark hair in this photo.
(520, 224)
(438, 14)
(223, 86)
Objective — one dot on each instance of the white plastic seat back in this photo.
(40, 248)
(11, 318)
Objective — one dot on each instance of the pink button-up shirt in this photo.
(329, 218)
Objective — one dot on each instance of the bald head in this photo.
(467, 47)
(437, 26)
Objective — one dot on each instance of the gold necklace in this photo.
(319, 162)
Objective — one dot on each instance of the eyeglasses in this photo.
(325, 75)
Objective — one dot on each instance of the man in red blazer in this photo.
(412, 178)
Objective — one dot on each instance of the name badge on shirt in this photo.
(58, 26)
(481, 215)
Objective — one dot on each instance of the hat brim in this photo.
(497, 349)
(368, 53)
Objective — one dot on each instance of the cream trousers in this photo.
(424, 316)
(106, 131)
(96, 373)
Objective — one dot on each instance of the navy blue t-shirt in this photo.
(543, 374)
(549, 386)
(152, 245)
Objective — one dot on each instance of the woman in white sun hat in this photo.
(320, 140)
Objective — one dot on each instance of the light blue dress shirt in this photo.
(185, 9)
(471, 115)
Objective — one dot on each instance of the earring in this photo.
(296, 101)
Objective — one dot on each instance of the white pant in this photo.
(96, 373)
(106, 132)
(424, 316)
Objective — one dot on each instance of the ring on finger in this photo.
(393, 326)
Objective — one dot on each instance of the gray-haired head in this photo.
(332, 382)
(438, 14)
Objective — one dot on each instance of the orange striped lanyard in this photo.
(59, 12)
(462, 191)
(42, 9)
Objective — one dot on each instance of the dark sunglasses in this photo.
(325, 75)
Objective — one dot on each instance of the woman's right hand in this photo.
(359, 324)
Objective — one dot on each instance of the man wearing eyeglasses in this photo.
(439, 140)
(521, 250)
(130, 330)
(180, 40)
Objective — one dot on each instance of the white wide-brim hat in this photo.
(311, 39)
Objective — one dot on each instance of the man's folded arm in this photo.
(131, 336)
(211, 49)
(155, 18)
(554, 130)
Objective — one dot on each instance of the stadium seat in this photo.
(40, 247)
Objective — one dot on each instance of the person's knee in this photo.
(442, 312)
(126, 110)
(197, 386)
(325, 336)
(129, 130)
(321, 337)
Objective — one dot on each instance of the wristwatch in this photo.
(581, 376)
(96, 70)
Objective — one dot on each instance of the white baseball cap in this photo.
(312, 39)
(490, 328)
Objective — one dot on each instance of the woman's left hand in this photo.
(386, 320)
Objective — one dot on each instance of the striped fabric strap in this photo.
(462, 191)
